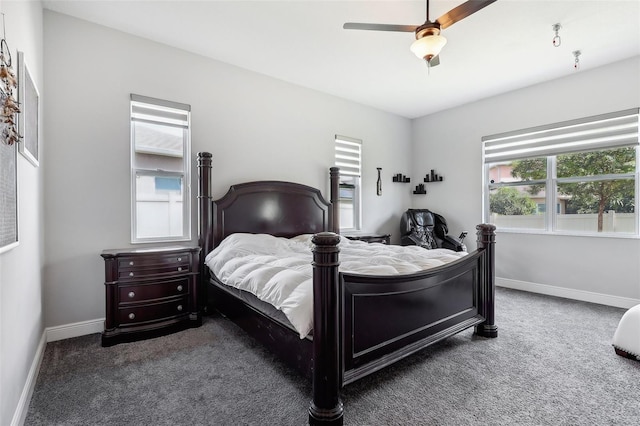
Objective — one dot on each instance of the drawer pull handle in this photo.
(131, 263)
(131, 295)
(179, 307)
(179, 268)
(130, 274)
(132, 315)
(179, 288)
(179, 259)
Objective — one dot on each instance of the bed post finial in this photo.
(334, 174)
(205, 231)
(326, 406)
(204, 201)
(487, 240)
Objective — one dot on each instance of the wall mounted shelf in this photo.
(399, 177)
(433, 177)
(420, 189)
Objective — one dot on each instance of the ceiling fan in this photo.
(428, 42)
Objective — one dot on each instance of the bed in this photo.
(406, 312)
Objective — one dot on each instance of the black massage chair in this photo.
(427, 229)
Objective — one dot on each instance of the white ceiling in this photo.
(505, 46)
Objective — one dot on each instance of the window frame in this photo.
(165, 108)
(351, 167)
(630, 139)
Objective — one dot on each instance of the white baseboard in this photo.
(20, 414)
(569, 293)
(75, 329)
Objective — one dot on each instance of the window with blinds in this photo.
(348, 157)
(586, 170)
(160, 183)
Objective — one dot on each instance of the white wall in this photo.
(21, 318)
(256, 127)
(450, 142)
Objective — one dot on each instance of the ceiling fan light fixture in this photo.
(428, 46)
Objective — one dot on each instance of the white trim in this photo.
(622, 235)
(20, 414)
(9, 246)
(50, 334)
(569, 293)
(75, 329)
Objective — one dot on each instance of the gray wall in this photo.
(255, 126)
(601, 269)
(21, 317)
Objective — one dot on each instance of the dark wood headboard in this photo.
(283, 209)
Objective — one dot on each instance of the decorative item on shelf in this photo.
(399, 177)
(9, 108)
(433, 177)
(420, 189)
(379, 183)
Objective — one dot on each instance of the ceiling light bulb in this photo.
(428, 46)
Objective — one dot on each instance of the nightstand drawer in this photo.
(152, 312)
(153, 290)
(140, 272)
(154, 261)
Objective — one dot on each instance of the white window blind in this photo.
(605, 131)
(151, 110)
(348, 155)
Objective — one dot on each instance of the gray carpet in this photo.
(552, 364)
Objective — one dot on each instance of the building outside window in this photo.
(160, 182)
(586, 168)
(348, 157)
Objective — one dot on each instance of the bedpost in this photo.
(487, 240)
(326, 406)
(204, 219)
(334, 174)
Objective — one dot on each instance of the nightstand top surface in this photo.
(133, 251)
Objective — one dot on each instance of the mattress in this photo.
(279, 271)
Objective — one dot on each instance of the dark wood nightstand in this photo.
(150, 292)
(370, 238)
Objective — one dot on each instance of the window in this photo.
(348, 158)
(586, 168)
(160, 182)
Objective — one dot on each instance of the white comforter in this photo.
(279, 271)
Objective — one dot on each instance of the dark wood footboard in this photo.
(382, 319)
(387, 318)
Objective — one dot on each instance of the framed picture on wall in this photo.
(8, 196)
(29, 100)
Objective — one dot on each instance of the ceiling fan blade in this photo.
(460, 12)
(380, 27)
